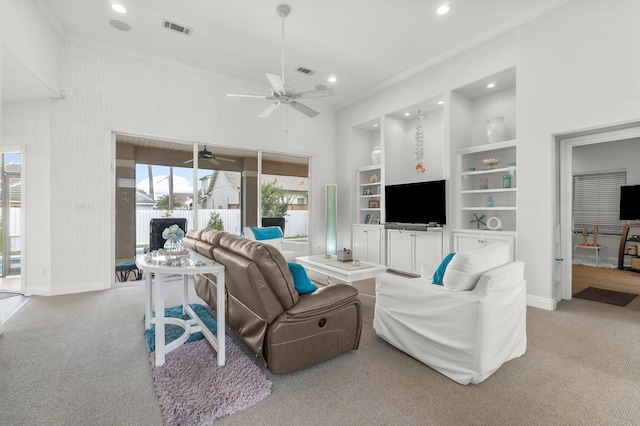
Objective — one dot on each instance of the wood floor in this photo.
(609, 279)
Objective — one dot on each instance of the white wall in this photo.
(70, 149)
(575, 70)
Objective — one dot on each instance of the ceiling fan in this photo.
(279, 92)
(208, 155)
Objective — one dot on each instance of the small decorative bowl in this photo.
(512, 164)
(490, 162)
(472, 169)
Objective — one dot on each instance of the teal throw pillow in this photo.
(438, 275)
(301, 280)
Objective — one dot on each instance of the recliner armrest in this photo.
(325, 298)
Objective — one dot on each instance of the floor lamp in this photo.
(331, 218)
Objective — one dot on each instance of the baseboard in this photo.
(541, 302)
(34, 290)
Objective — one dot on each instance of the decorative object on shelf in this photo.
(595, 234)
(367, 191)
(367, 219)
(372, 179)
(376, 155)
(419, 154)
(632, 250)
(478, 220)
(376, 221)
(374, 204)
(490, 202)
(494, 223)
(484, 183)
(506, 181)
(585, 233)
(512, 164)
(490, 162)
(496, 130)
(174, 236)
(472, 169)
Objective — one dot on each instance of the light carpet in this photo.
(193, 389)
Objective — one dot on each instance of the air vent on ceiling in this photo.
(304, 70)
(177, 27)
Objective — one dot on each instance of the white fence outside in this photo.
(296, 221)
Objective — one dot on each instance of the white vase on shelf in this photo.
(496, 130)
(376, 155)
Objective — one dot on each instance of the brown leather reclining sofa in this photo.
(287, 330)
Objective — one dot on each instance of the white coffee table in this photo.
(347, 272)
(161, 271)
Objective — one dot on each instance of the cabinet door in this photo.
(374, 243)
(366, 244)
(501, 240)
(400, 250)
(359, 243)
(428, 251)
(466, 242)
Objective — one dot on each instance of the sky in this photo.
(182, 179)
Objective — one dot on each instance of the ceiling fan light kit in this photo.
(279, 93)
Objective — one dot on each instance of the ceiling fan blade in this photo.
(231, 160)
(231, 95)
(214, 161)
(276, 84)
(312, 94)
(188, 161)
(268, 110)
(304, 109)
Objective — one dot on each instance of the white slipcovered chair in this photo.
(273, 236)
(467, 327)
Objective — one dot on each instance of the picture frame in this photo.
(376, 221)
(374, 204)
(367, 219)
(367, 191)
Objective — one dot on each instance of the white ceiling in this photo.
(367, 44)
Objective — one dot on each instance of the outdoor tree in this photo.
(162, 203)
(274, 202)
(215, 221)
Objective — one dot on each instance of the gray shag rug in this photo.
(194, 390)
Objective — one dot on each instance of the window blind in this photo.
(596, 199)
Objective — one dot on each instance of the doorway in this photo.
(10, 221)
(608, 138)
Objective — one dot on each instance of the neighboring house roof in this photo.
(289, 183)
(144, 199)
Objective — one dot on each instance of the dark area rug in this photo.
(611, 297)
(193, 389)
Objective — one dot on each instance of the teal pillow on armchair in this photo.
(301, 280)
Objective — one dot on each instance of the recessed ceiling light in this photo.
(443, 9)
(406, 114)
(440, 102)
(119, 8)
(375, 125)
(332, 79)
(491, 85)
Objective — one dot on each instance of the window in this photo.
(596, 199)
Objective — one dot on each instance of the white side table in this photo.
(161, 271)
(597, 249)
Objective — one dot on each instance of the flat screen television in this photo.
(419, 203)
(630, 202)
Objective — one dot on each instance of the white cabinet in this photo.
(370, 199)
(367, 243)
(409, 250)
(479, 239)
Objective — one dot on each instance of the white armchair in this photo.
(468, 327)
(273, 236)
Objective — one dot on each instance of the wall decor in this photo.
(374, 204)
(494, 223)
